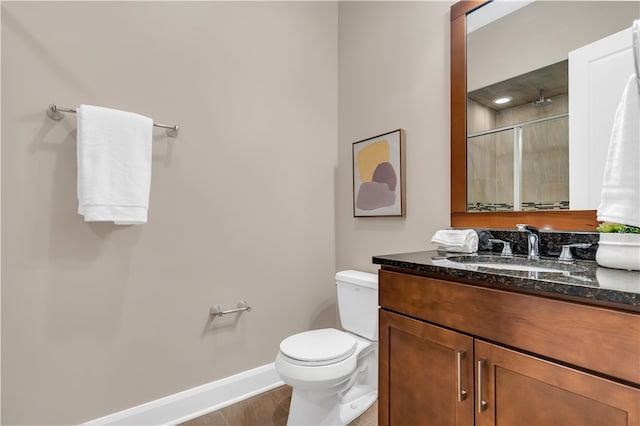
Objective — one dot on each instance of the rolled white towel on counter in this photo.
(456, 240)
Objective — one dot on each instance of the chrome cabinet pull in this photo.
(462, 394)
(482, 404)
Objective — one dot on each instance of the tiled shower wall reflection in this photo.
(545, 157)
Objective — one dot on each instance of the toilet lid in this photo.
(319, 347)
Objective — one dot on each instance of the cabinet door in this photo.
(517, 389)
(426, 374)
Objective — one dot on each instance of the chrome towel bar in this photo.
(55, 113)
(217, 311)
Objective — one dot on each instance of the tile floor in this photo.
(267, 409)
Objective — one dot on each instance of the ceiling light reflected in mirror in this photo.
(502, 100)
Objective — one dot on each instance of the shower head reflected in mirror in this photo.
(541, 100)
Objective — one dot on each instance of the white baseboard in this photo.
(192, 403)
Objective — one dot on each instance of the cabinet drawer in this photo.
(594, 338)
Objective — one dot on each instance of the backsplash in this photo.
(551, 242)
(526, 206)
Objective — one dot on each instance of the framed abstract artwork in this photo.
(378, 175)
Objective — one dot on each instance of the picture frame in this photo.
(379, 175)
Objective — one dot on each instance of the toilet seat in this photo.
(318, 347)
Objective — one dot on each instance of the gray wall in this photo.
(253, 200)
(394, 73)
(96, 317)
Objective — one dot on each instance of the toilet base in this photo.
(306, 410)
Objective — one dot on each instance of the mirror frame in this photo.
(567, 220)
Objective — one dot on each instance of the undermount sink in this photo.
(515, 264)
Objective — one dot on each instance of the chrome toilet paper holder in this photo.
(217, 311)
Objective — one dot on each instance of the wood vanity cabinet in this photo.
(460, 354)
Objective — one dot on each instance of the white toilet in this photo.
(333, 373)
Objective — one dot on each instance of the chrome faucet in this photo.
(533, 240)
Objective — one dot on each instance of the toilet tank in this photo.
(358, 302)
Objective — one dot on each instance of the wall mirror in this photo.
(512, 163)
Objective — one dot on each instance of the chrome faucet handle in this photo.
(506, 249)
(566, 256)
(506, 246)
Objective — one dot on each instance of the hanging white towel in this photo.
(114, 165)
(456, 240)
(620, 200)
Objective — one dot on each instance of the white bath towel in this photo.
(456, 240)
(114, 165)
(620, 201)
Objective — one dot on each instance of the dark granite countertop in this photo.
(582, 280)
